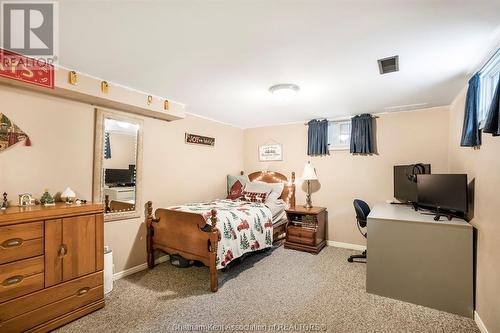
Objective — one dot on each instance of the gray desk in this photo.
(413, 258)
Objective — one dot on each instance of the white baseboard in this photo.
(480, 323)
(346, 245)
(138, 268)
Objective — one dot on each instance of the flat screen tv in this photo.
(444, 191)
(405, 182)
(117, 176)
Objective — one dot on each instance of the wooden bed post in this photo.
(292, 199)
(215, 237)
(150, 232)
(107, 209)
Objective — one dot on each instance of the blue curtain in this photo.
(492, 122)
(362, 134)
(317, 138)
(471, 136)
(107, 146)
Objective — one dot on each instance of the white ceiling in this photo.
(220, 57)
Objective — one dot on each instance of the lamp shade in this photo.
(309, 173)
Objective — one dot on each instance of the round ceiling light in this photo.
(284, 90)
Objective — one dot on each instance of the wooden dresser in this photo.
(306, 229)
(51, 265)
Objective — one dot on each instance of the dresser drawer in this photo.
(21, 277)
(47, 296)
(52, 310)
(21, 241)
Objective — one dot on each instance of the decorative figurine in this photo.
(80, 201)
(26, 199)
(47, 199)
(68, 196)
(5, 203)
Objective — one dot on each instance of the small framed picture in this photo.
(272, 152)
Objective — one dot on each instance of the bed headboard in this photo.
(288, 194)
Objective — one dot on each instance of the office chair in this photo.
(362, 210)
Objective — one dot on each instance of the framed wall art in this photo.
(271, 152)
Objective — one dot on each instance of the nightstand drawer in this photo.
(301, 232)
(300, 240)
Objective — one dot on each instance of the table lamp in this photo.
(308, 175)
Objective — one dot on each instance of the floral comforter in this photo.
(244, 226)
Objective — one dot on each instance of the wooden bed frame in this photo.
(187, 234)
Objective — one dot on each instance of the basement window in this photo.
(339, 135)
(489, 77)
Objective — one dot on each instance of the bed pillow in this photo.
(232, 179)
(235, 191)
(254, 196)
(258, 187)
(276, 189)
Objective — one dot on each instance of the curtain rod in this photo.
(343, 119)
(487, 62)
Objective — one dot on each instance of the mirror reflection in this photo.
(119, 165)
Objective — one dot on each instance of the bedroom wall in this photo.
(483, 166)
(62, 133)
(402, 138)
(122, 151)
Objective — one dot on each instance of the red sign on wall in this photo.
(21, 68)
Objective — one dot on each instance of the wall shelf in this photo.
(89, 90)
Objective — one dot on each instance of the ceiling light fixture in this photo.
(284, 90)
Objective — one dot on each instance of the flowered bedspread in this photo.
(244, 226)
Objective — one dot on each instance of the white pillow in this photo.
(259, 187)
(276, 189)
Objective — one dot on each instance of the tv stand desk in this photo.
(415, 259)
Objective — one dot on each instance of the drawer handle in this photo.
(83, 291)
(63, 249)
(13, 242)
(12, 280)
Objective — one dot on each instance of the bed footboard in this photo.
(183, 233)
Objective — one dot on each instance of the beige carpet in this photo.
(266, 290)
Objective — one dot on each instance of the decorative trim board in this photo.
(480, 323)
(138, 268)
(346, 245)
(87, 89)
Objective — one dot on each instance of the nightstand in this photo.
(306, 229)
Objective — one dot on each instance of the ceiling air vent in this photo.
(388, 65)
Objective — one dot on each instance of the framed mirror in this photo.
(118, 164)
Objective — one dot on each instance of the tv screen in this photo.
(117, 176)
(405, 188)
(446, 191)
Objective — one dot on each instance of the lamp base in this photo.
(308, 201)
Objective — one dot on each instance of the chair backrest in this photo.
(362, 210)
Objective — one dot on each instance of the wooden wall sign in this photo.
(20, 68)
(200, 140)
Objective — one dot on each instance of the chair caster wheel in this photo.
(349, 260)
